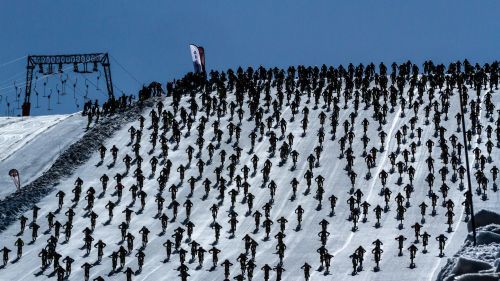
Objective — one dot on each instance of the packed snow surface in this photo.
(31, 144)
(301, 242)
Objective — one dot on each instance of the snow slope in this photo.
(23, 140)
(301, 243)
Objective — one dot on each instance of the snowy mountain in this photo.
(45, 138)
(31, 144)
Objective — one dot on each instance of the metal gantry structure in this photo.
(76, 60)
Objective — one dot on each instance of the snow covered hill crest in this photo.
(298, 174)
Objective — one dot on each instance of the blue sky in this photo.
(150, 38)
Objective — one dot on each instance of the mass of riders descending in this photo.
(227, 101)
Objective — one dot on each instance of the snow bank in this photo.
(480, 263)
(484, 237)
(479, 277)
(465, 265)
(484, 218)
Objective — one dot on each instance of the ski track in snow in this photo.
(7, 121)
(27, 135)
(375, 176)
(29, 138)
(386, 152)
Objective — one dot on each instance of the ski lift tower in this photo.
(76, 60)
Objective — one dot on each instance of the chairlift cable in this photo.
(124, 69)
